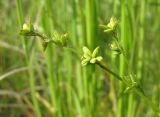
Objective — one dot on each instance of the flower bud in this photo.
(113, 23)
(27, 30)
(115, 47)
(61, 40)
(28, 27)
(111, 26)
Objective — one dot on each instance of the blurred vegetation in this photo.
(53, 83)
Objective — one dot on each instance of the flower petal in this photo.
(93, 60)
(99, 58)
(86, 51)
(84, 62)
(95, 52)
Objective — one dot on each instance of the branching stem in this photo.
(137, 89)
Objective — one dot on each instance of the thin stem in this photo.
(103, 66)
(141, 93)
(122, 65)
(40, 35)
(29, 62)
(137, 89)
(33, 87)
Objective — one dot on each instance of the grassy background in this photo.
(53, 83)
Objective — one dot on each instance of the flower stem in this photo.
(103, 66)
(138, 90)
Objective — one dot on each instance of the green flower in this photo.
(115, 47)
(89, 57)
(60, 39)
(131, 82)
(27, 29)
(111, 26)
